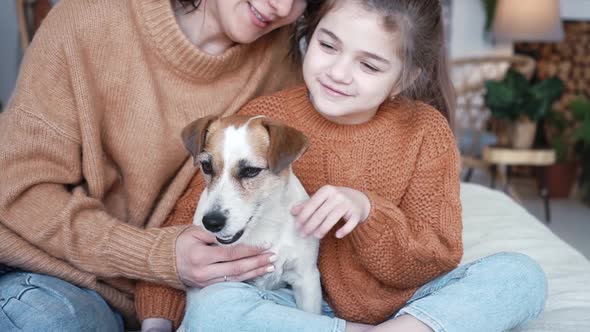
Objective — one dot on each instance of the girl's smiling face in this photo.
(352, 65)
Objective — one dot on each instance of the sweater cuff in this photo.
(146, 254)
(159, 301)
(382, 217)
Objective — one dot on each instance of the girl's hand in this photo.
(327, 206)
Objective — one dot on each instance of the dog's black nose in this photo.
(214, 221)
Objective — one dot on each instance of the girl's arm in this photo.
(407, 245)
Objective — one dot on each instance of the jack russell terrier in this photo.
(250, 190)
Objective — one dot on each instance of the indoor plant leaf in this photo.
(560, 147)
(550, 89)
(580, 108)
(581, 134)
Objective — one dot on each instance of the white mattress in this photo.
(493, 222)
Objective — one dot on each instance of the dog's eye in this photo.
(249, 172)
(207, 167)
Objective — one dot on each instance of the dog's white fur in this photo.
(260, 208)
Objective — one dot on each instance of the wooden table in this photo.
(503, 158)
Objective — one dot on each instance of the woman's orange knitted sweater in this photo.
(406, 161)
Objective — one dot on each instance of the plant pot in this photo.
(522, 134)
(560, 178)
(501, 128)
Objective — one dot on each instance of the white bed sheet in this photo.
(493, 222)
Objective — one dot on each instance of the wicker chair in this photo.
(472, 116)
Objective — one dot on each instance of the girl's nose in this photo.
(341, 71)
(282, 7)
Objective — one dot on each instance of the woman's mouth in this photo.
(230, 239)
(257, 18)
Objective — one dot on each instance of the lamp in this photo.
(528, 20)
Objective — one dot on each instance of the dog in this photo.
(250, 190)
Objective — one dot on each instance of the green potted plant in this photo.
(489, 7)
(520, 104)
(581, 135)
(561, 176)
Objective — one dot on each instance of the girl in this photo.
(376, 108)
(86, 156)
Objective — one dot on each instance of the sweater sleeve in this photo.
(44, 199)
(160, 301)
(421, 236)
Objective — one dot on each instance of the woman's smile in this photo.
(257, 18)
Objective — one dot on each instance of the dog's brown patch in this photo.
(272, 142)
(286, 145)
(194, 135)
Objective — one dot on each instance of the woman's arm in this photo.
(44, 199)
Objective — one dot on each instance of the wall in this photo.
(578, 10)
(468, 24)
(467, 31)
(10, 53)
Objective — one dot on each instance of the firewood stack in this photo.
(569, 60)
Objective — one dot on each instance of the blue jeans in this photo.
(36, 302)
(495, 293)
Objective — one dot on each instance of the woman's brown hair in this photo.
(425, 76)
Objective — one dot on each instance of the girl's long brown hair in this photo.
(425, 74)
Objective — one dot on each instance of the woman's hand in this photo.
(200, 264)
(327, 206)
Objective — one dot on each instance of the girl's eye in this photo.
(207, 167)
(371, 68)
(249, 172)
(327, 46)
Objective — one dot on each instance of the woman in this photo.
(91, 155)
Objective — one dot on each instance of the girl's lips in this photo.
(333, 92)
(257, 18)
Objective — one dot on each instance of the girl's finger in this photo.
(310, 206)
(348, 227)
(329, 222)
(317, 218)
(296, 209)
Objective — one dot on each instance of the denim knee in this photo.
(34, 302)
(525, 277)
(221, 304)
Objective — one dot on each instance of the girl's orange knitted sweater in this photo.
(406, 161)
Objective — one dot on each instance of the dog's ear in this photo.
(286, 145)
(195, 133)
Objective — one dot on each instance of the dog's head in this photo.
(245, 161)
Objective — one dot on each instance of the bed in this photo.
(493, 222)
